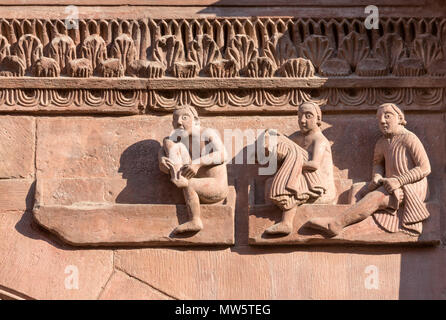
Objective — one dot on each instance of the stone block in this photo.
(17, 144)
(101, 224)
(123, 287)
(16, 194)
(34, 265)
(365, 232)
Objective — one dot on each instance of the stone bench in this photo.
(262, 214)
(112, 224)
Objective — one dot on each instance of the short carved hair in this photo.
(190, 109)
(316, 108)
(398, 111)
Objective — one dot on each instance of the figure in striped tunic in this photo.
(398, 190)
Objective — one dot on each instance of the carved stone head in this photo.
(310, 116)
(390, 118)
(185, 119)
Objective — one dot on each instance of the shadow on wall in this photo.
(422, 274)
(27, 227)
(145, 182)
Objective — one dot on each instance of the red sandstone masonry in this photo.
(95, 140)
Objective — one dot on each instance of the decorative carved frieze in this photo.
(61, 100)
(228, 49)
(139, 100)
(206, 41)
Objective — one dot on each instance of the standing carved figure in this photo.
(399, 186)
(306, 172)
(195, 158)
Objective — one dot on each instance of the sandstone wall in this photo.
(108, 154)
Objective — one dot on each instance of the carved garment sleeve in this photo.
(419, 157)
(378, 159)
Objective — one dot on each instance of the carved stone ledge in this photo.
(132, 96)
(365, 232)
(108, 101)
(170, 83)
(271, 100)
(106, 224)
(138, 101)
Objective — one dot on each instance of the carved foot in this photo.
(191, 226)
(327, 225)
(279, 228)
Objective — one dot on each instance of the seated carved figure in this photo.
(196, 164)
(306, 172)
(398, 188)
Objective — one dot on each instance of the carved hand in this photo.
(190, 170)
(166, 163)
(391, 184)
(377, 180)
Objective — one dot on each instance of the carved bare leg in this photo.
(178, 156)
(364, 208)
(286, 225)
(193, 205)
(329, 225)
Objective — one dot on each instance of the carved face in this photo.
(184, 120)
(308, 120)
(389, 120)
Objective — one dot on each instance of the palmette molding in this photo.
(248, 62)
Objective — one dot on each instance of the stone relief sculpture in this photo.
(395, 196)
(196, 164)
(192, 50)
(275, 64)
(306, 172)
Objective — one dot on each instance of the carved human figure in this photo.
(195, 159)
(398, 188)
(306, 172)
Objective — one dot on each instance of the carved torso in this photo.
(326, 166)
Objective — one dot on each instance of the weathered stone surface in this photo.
(123, 287)
(119, 153)
(217, 274)
(365, 232)
(17, 143)
(322, 273)
(16, 194)
(136, 225)
(35, 265)
(70, 191)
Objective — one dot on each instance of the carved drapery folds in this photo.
(249, 48)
